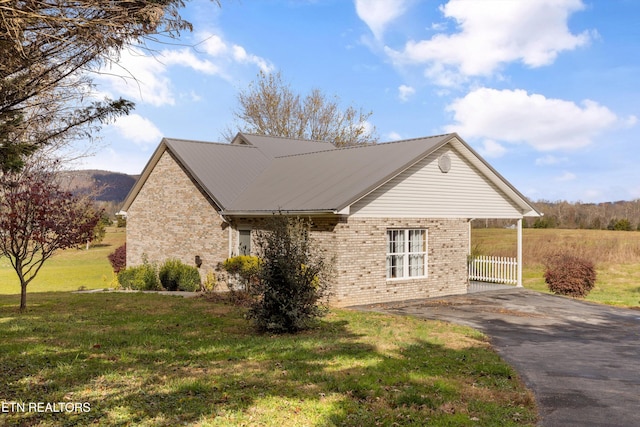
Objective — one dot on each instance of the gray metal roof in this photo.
(274, 146)
(222, 170)
(330, 180)
(256, 174)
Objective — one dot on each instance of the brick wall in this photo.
(171, 218)
(360, 245)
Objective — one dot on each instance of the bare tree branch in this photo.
(270, 107)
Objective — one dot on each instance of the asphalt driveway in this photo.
(582, 360)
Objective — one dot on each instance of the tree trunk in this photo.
(23, 295)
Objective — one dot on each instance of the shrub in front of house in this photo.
(210, 282)
(141, 278)
(569, 275)
(245, 268)
(174, 275)
(169, 274)
(294, 278)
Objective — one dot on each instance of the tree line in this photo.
(621, 215)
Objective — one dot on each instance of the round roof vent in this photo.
(444, 163)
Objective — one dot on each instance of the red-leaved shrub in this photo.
(569, 275)
(118, 258)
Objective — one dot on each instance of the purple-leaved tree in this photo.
(36, 219)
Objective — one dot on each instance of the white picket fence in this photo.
(494, 269)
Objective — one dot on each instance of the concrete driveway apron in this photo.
(582, 360)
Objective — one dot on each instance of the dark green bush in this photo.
(293, 279)
(142, 278)
(174, 275)
(569, 275)
(623, 225)
(544, 222)
(169, 274)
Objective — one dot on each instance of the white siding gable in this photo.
(424, 191)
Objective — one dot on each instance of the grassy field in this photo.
(69, 270)
(616, 255)
(153, 360)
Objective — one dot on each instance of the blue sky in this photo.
(545, 90)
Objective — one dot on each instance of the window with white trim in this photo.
(406, 253)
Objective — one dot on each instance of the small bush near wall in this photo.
(118, 258)
(210, 282)
(569, 275)
(245, 267)
(141, 278)
(177, 276)
(293, 280)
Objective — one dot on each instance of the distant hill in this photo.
(103, 186)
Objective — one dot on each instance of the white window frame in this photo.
(403, 250)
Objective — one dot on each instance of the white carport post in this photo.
(519, 254)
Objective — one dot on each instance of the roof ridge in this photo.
(352, 147)
(194, 141)
(289, 138)
(420, 137)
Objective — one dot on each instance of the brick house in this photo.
(396, 215)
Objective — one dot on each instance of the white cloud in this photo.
(139, 77)
(146, 77)
(367, 127)
(377, 14)
(186, 58)
(443, 76)
(493, 33)
(438, 26)
(213, 45)
(550, 160)
(491, 148)
(566, 176)
(515, 116)
(241, 55)
(405, 92)
(138, 129)
(394, 136)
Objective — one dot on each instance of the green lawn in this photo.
(69, 270)
(153, 360)
(616, 255)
